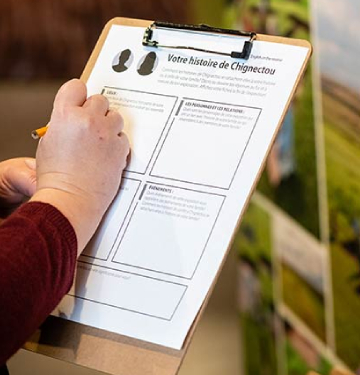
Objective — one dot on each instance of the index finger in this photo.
(71, 93)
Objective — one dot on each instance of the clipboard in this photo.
(113, 353)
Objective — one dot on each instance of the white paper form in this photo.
(199, 127)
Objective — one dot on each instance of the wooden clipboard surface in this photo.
(110, 352)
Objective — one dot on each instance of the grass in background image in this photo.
(259, 347)
(278, 17)
(295, 190)
(341, 107)
(209, 12)
(253, 245)
(254, 237)
(303, 300)
(256, 300)
(297, 193)
(301, 356)
(346, 307)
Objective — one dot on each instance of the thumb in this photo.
(23, 179)
(31, 163)
(17, 179)
(28, 178)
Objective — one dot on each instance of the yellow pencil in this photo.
(38, 133)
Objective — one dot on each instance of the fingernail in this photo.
(31, 163)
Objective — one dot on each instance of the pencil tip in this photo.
(34, 134)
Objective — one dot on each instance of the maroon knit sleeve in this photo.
(38, 250)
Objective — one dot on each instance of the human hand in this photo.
(81, 158)
(17, 181)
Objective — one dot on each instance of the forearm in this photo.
(75, 209)
(38, 249)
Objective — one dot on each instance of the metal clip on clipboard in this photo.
(244, 54)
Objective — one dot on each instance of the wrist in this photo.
(75, 209)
